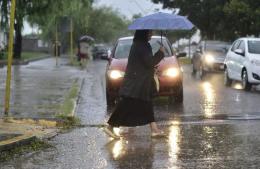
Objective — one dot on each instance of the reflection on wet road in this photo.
(210, 99)
(215, 127)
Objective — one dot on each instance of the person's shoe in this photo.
(109, 131)
(160, 134)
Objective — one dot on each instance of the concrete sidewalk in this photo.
(38, 91)
(19, 132)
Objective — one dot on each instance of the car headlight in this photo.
(209, 58)
(255, 62)
(115, 74)
(171, 72)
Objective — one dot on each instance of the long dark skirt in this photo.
(130, 112)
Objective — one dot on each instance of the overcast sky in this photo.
(130, 7)
(125, 7)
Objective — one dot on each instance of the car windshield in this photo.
(254, 47)
(123, 47)
(98, 48)
(221, 49)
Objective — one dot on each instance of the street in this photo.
(216, 127)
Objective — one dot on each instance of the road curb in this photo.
(17, 141)
(22, 132)
(23, 62)
(76, 105)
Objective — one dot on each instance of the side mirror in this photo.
(182, 54)
(240, 52)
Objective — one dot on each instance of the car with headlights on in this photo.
(209, 57)
(168, 70)
(242, 63)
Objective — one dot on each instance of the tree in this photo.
(178, 34)
(60, 12)
(105, 25)
(4, 14)
(23, 9)
(207, 15)
(243, 17)
(220, 19)
(135, 16)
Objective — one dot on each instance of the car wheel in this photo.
(202, 72)
(227, 80)
(246, 85)
(177, 97)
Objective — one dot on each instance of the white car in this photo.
(242, 62)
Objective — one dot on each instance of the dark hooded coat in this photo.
(139, 81)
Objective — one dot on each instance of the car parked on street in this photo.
(209, 57)
(168, 70)
(242, 62)
(100, 51)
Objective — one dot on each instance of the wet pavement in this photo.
(216, 127)
(38, 89)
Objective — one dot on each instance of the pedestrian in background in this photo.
(135, 106)
(83, 53)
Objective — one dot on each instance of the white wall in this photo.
(3, 39)
(1, 36)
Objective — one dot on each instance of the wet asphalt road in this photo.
(216, 127)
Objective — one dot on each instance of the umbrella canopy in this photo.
(86, 38)
(161, 21)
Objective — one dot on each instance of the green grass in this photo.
(75, 62)
(3, 55)
(35, 146)
(69, 122)
(24, 55)
(68, 106)
(184, 61)
(32, 55)
(71, 96)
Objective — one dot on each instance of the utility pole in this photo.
(10, 60)
(56, 43)
(71, 40)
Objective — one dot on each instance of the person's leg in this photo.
(155, 131)
(109, 130)
(154, 128)
(86, 62)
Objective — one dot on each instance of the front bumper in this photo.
(215, 66)
(168, 86)
(113, 86)
(254, 75)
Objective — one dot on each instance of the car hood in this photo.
(118, 64)
(167, 62)
(218, 56)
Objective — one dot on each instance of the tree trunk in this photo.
(18, 40)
